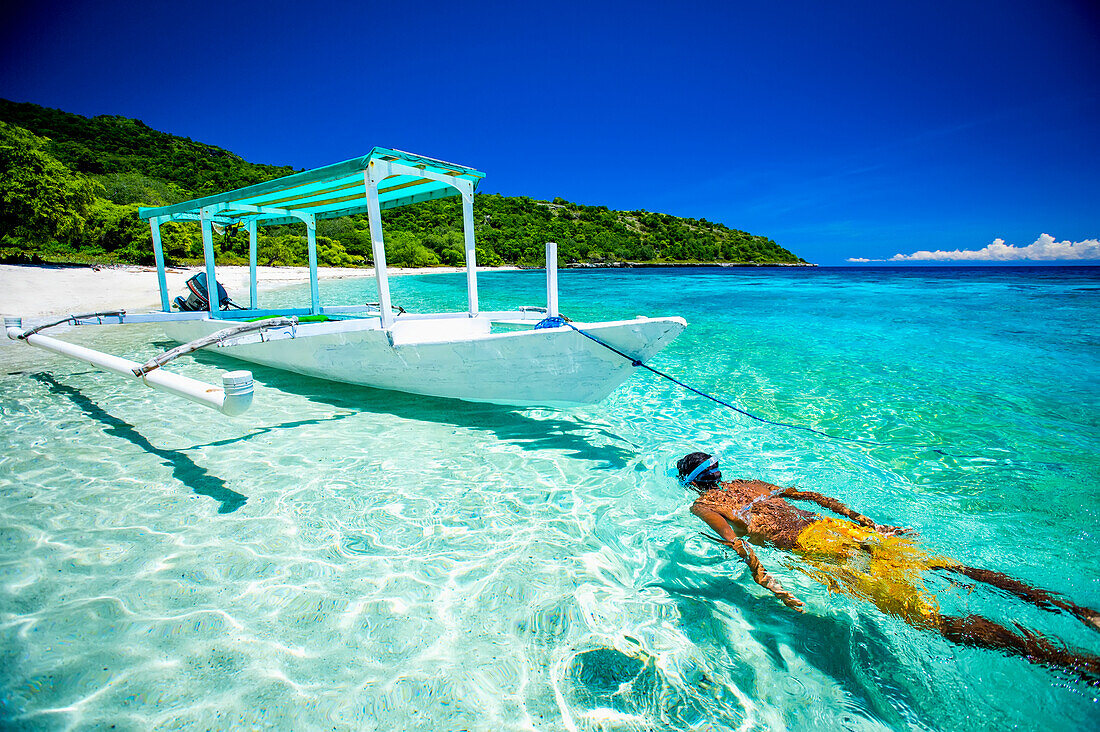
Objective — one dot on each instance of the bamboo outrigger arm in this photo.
(234, 396)
(224, 334)
(75, 320)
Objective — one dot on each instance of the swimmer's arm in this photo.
(719, 523)
(840, 509)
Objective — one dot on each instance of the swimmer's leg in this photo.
(1043, 599)
(978, 632)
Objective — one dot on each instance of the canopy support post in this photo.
(158, 257)
(311, 245)
(551, 279)
(467, 190)
(374, 216)
(205, 217)
(253, 300)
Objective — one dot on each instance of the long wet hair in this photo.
(705, 481)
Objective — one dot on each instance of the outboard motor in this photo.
(198, 297)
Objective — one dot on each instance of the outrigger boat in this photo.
(528, 356)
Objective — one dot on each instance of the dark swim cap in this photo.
(700, 469)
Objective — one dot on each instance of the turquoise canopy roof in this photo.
(328, 192)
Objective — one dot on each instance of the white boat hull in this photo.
(457, 358)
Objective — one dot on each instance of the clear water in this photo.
(346, 558)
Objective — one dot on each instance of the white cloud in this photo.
(1045, 249)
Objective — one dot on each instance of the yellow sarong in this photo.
(860, 562)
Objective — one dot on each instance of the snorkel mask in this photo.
(705, 473)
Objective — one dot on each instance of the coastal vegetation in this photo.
(71, 186)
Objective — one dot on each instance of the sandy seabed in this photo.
(39, 291)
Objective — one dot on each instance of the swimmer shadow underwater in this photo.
(858, 657)
(878, 563)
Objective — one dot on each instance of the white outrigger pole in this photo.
(233, 397)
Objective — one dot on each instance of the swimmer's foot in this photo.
(1089, 617)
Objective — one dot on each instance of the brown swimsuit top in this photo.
(770, 520)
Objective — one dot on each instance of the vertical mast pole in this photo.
(253, 300)
(311, 244)
(374, 216)
(158, 257)
(551, 279)
(208, 256)
(467, 190)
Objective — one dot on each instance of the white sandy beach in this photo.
(35, 292)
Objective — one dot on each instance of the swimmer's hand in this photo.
(728, 537)
(771, 583)
(788, 599)
(762, 577)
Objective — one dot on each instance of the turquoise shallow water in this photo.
(348, 558)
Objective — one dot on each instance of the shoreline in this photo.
(38, 291)
(34, 291)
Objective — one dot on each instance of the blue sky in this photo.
(841, 130)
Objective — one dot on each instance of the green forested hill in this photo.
(70, 188)
(110, 146)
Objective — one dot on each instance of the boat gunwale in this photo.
(373, 323)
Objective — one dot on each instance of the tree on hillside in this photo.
(109, 144)
(41, 201)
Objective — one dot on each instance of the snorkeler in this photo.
(863, 559)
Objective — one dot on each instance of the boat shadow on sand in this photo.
(184, 469)
(571, 434)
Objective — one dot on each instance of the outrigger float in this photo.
(524, 357)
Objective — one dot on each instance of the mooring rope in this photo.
(557, 322)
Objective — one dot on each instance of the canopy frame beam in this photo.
(378, 171)
(310, 196)
(207, 215)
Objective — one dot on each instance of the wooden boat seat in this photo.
(435, 330)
